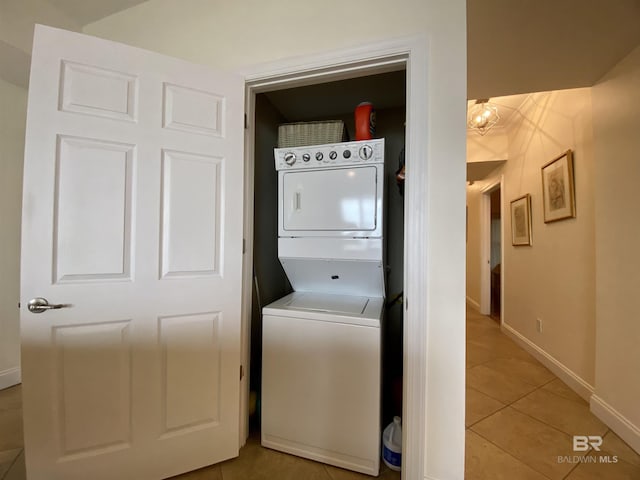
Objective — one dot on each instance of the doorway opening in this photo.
(491, 283)
(495, 258)
(411, 54)
(330, 100)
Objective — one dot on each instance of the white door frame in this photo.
(411, 53)
(485, 247)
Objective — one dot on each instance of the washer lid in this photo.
(322, 302)
(358, 278)
(326, 307)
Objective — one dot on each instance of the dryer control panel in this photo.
(330, 155)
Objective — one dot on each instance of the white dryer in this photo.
(330, 223)
(321, 344)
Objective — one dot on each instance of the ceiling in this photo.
(88, 11)
(539, 45)
(513, 47)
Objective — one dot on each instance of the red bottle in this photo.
(365, 121)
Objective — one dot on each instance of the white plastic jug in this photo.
(392, 445)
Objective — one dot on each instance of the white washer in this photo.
(321, 378)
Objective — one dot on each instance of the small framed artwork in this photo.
(521, 221)
(558, 188)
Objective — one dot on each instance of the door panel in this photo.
(191, 371)
(79, 232)
(132, 218)
(193, 111)
(97, 91)
(191, 213)
(94, 374)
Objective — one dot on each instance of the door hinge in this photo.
(241, 372)
(406, 303)
(244, 246)
(246, 121)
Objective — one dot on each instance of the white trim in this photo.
(503, 241)
(622, 426)
(372, 58)
(564, 373)
(367, 60)
(473, 303)
(247, 264)
(10, 377)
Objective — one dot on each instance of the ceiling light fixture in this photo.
(482, 116)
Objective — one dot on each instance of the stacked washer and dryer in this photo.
(321, 350)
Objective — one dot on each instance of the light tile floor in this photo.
(519, 419)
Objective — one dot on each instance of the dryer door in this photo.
(333, 202)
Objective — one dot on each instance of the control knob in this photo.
(346, 154)
(319, 156)
(366, 152)
(289, 158)
(333, 155)
(306, 157)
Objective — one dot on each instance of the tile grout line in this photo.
(484, 418)
(511, 402)
(540, 420)
(571, 471)
(537, 385)
(509, 454)
(577, 464)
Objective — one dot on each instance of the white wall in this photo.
(493, 145)
(13, 107)
(554, 279)
(616, 107)
(231, 35)
(474, 254)
(17, 19)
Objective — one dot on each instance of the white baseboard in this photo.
(626, 430)
(573, 380)
(10, 377)
(473, 303)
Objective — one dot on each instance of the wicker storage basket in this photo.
(311, 133)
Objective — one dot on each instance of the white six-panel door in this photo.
(132, 219)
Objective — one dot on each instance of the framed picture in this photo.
(521, 220)
(558, 188)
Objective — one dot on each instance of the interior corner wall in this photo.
(270, 281)
(13, 105)
(554, 278)
(616, 108)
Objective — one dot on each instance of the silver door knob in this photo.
(39, 305)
